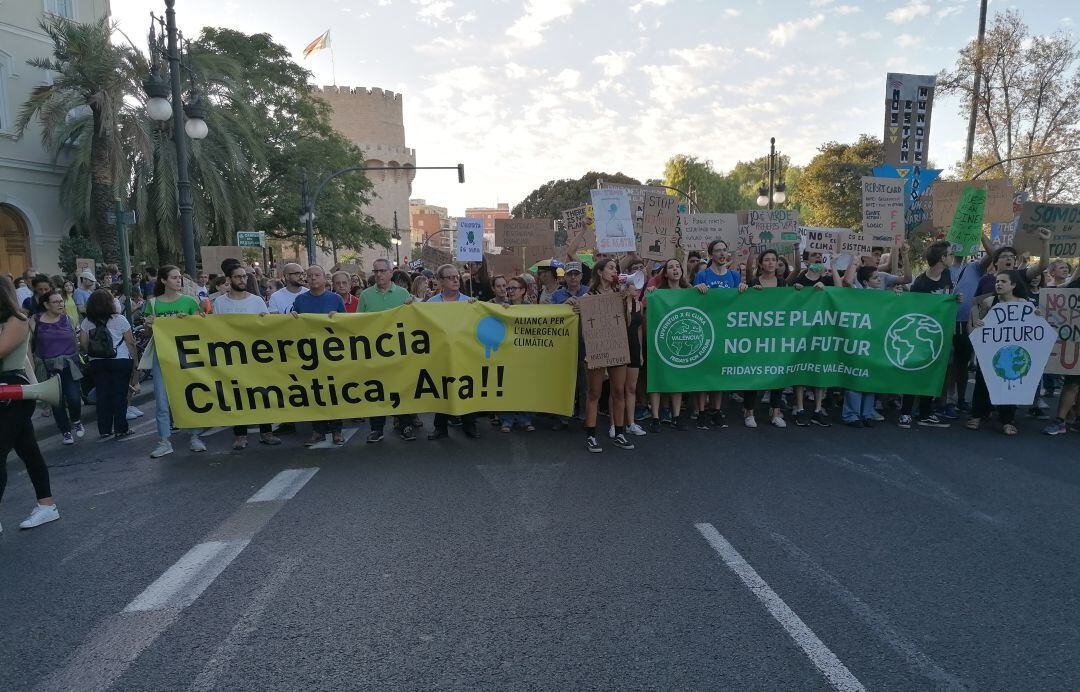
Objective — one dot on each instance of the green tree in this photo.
(92, 77)
(555, 196)
(293, 128)
(1027, 105)
(829, 190)
(711, 191)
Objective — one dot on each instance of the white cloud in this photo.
(870, 35)
(641, 5)
(686, 79)
(843, 39)
(704, 55)
(433, 11)
(613, 63)
(786, 31)
(949, 11)
(907, 40)
(568, 79)
(441, 45)
(821, 3)
(732, 13)
(847, 9)
(529, 28)
(906, 13)
(758, 53)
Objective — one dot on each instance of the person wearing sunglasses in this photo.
(386, 295)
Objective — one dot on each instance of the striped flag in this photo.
(318, 44)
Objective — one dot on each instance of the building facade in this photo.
(372, 120)
(501, 210)
(32, 220)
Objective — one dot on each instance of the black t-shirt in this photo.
(824, 279)
(924, 284)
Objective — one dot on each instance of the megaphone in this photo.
(637, 279)
(47, 391)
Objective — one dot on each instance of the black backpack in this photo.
(99, 343)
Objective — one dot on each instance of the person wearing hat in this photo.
(547, 273)
(87, 284)
(281, 301)
(573, 288)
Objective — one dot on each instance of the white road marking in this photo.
(120, 639)
(885, 631)
(819, 654)
(328, 443)
(283, 486)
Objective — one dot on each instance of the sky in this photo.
(526, 91)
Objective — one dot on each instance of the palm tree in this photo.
(84, 110)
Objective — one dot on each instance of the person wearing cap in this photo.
(87, 283)
(281, 301)
(573, 288)
(547, 273)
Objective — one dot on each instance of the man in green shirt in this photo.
(386, 295)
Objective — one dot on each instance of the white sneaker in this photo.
(750, 422)
(778, 421)
(68, 439)
(197, 445)
(133, 413)
(42, 514)
(878, 418)
(80, 431)
(611, 432)
(163, 447)
(635, 429)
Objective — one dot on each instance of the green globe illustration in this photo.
(1012, 363)
(914, 341)
(685, 338)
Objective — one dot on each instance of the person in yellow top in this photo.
(67, 290)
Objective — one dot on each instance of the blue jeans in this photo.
(161, 402)
(70, 399)
(508, 419)
(858, 406)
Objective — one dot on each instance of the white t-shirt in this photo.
(117, 326)
(23, 292)
(282, 299)
(249, 305)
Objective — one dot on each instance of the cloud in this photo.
(907, 40)
(687, 78)
(732, 13)
(870, 35)
(568, 79)
(906, 13)
(843, 39)
(613, 63)
(786, 31)
(433, 11)
(847, 9)
(758, 53)
(821, 3)
(949, 11)
(704, 55)
(641, 5)
(539, 14)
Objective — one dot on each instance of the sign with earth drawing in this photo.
(470, 240)
(1012, 345)
(862, 340)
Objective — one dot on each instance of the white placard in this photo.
(883, 210)
(1012, 346)
(696, 231)
(614, 222)
(470, 240)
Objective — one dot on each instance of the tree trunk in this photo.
(102, 193)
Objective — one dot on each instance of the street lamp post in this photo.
(193, 126)
(776, 192)
(395, 238)
(308, 201)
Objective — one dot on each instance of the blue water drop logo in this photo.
(490, 332)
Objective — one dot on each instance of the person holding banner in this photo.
(342, 283)
(281, 301)
(813, 275)
(605, 279)
(716, 274)
(386, 295)
(1009, 287)
(449, 281)
(671, 278)
(16, 427)
(766, 268)
(319, 301)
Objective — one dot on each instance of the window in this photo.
(61, 8)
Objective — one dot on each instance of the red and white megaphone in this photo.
(47, 391)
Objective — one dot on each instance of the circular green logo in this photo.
(684, 337)
(914, 341)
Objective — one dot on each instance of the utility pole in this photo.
(978, 83)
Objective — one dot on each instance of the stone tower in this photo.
(372, 120)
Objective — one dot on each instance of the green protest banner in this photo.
(866, 340)
(965, 234)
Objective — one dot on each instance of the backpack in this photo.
(99, 343)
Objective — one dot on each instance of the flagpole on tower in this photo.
(333, 65)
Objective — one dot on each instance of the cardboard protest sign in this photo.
(965, 233)
(1063, 222)
(614, 224)
(214, 255)
(823, 240)
(470, 240)
(999, 200)
(523, 232)
(771, 227)
(909, 101)
(507, 265)
(532, 255)
(574, 220)
(84, 263)
(855, 244)
(1003, 234)
(603, 326)
(1061, 307)
(883, 210)
(696, 231)
(1012, 346)
(636, 194)
(658, 227)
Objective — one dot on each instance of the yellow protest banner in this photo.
(451, 358)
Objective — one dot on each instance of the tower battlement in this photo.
(360, 92)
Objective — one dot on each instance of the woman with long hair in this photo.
(67, 291)
(766, 275)
(499, 286)
(605, 280)
(717, 274)
(169, 301)
(516, 290)
(1009, 287)
(478, 285)
(16, 428)
(671, 278)
(635, 328)
(421, 289)
(113, 374)
(56, 345)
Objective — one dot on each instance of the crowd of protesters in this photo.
(86, 331)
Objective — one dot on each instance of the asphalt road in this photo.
(802, 558)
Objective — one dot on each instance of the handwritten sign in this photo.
(470, 240)
(696, 231)
(507, 265)
(1062, 309)
(614, 223)
(659, 226)
(999, 200)
(965, 233)
(855, 244)
(577, 219)
(1063, 221)
(636, 195)
(523, 232)
(769, 227)
(883, 210)
(823, 240)
(1012, 347)
(84, 263)
(603, 326)
(1004, 234)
